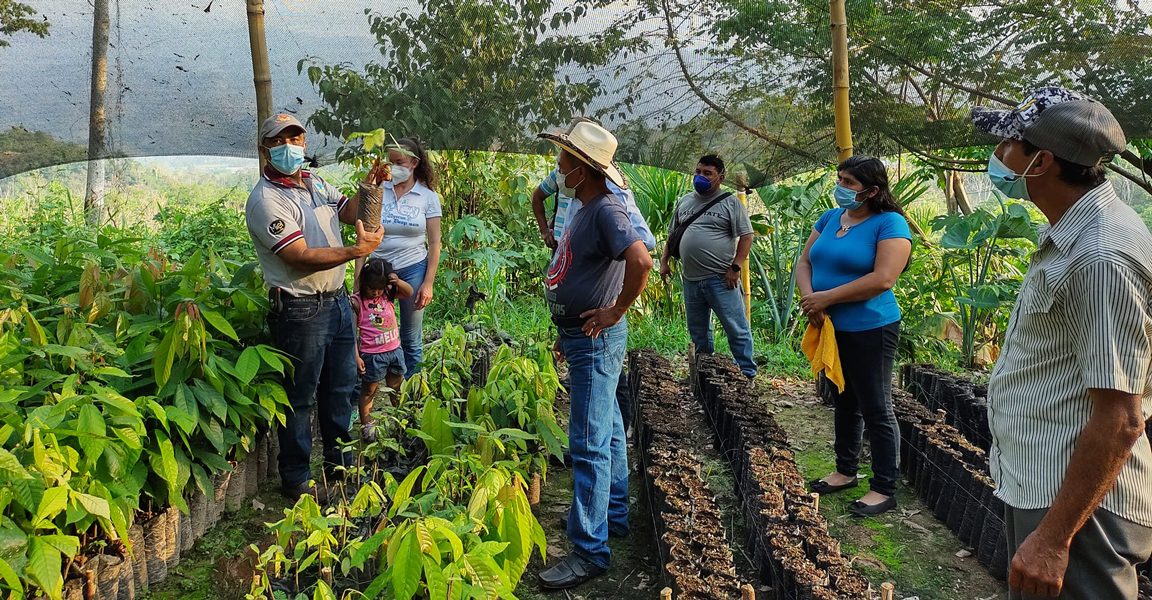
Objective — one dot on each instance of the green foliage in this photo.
(492, 69)
(458, 526)
(16, 17)
(119, 386)
(982, 261)
(218, 227)
(20, 149)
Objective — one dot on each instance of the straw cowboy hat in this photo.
(593, 145)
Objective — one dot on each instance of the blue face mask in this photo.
(1007, 181)
(846, 198)
(701, 184)
(286, 158)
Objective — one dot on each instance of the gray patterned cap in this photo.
(1066, 123)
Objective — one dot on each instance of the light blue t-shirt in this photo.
(840, 260)
(566, 208)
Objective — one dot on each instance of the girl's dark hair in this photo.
(374, 275)
(423, 173)
(871, 172)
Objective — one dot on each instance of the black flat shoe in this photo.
(860, 509)
(570, 572)
(824, 488)
(612, 533)
(317, 491)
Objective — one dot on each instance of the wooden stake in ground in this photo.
(94, 189)
(840, 80)
(666, 594)
(747, 593)
(887, 591)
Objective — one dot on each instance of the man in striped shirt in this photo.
(1071, 390)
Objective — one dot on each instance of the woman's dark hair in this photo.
(1073, 174)
(423, 173)
(374, 275)
(872, 173)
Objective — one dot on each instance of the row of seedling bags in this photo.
(688, 524)
(790, 540)
(158, 538)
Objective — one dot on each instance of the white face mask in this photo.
(400, 174)
(562, 183)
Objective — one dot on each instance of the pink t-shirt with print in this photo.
(379, 331)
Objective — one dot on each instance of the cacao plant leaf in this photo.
(10, 467)
(248, 365)
(165, 356)
(94, 505)
(44, 567)
(408, 567)
(33, 329)
(220, 323)
(52, 503)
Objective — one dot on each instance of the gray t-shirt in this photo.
(709, 244)
(587, 270)
(279, 213)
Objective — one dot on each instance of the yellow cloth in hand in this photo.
(819, 346)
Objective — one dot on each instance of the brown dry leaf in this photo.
(952, 332)
(916, 526)
(554, 552)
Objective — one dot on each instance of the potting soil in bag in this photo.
(139, 554)
(371, 199)
(155, 532)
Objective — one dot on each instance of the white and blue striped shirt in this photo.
(1082, 321)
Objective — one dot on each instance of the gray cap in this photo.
(1068, 124)
(277, 123)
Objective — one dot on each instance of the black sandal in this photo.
(860, 509)
(824, 488)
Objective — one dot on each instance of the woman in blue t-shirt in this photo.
(846, 273)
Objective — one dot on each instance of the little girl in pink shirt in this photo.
(380, 357)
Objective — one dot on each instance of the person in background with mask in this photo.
(599, 269)
(1070, 391)
(712, 250)
(410, 215)
(846, 272)
(293, 218)
(566, 209)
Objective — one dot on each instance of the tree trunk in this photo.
(949, 197)
(94, 190)
(961, 194)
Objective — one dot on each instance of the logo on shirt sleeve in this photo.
(276, 227)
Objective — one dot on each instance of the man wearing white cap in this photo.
(294, 218)
(599, 269)
(1071, 390)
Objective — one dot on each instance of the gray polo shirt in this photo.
(709, 244)
(1082, 320)
(279, 213)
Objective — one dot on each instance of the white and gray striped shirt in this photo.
(1082, 320)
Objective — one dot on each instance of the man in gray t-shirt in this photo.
(711, 251)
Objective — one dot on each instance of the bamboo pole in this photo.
(94, 188)
(745, 273)
(840, 80)
(261, 74)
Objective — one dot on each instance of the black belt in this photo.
(569, 321)
(332, 294)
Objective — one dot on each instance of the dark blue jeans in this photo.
(412, 320)
(318, 334)
(701, 299)
(867, 358)
(596, 439)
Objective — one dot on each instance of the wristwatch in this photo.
(735, 267)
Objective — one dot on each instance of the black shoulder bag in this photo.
(672, 248)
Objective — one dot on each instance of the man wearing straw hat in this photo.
(293, 218)
(599, 269)
(1071, 390)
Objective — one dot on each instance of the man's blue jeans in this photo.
(703, 297)
(596, 439)
(318, 334)
(412, 320)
